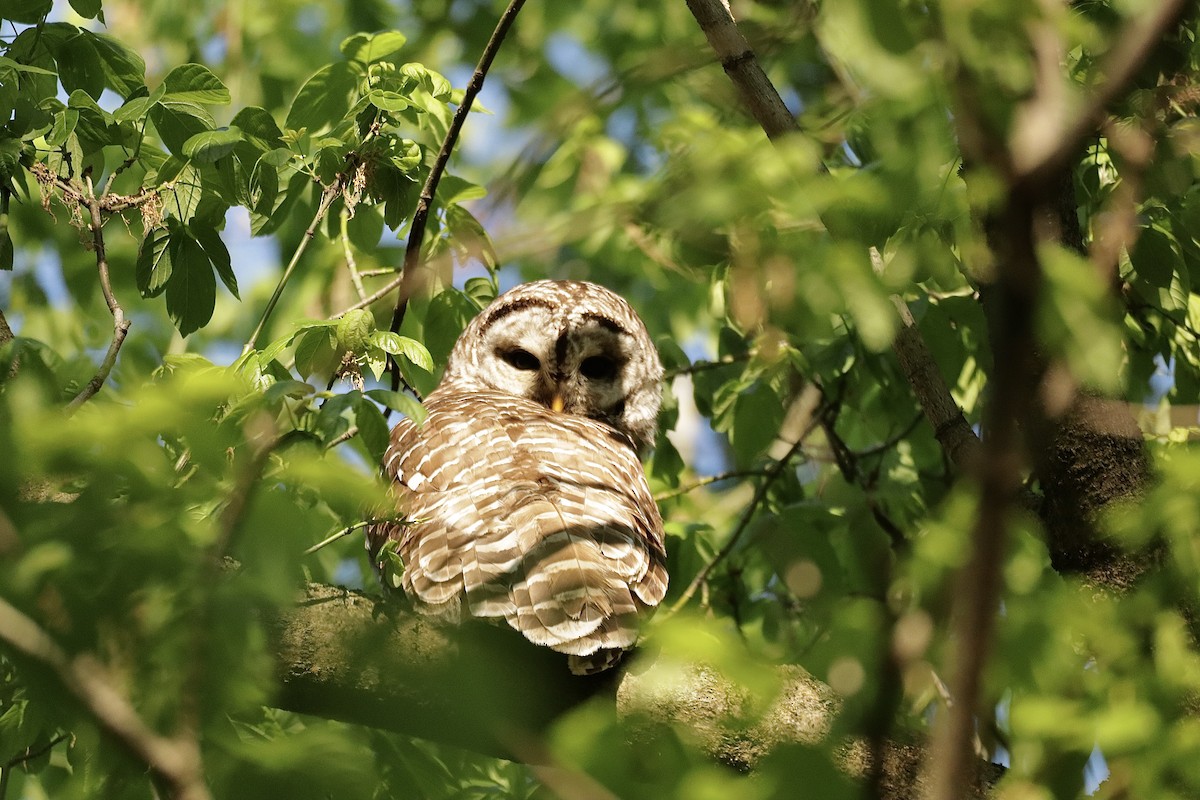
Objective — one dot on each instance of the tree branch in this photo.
(759, 95)
(328, 195)
(740, 64)
(808, 402)
(1044, 141)
(416, 233)
(950, 427)
(175, 762)
(343, 655)
(120, 323)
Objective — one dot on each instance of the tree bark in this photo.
(346, 656)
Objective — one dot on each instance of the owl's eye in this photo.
(521, 359)
(598, 368)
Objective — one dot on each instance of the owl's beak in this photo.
(557, 403)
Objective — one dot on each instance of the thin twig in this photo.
(329, 194)
(891, 441)
(30, 754)
(708, 480)
(348, 254)
(704, 366)
(334, 537)
(349, 434)
(120, 323)
(173, 761)
(412, 252)
(808, 403)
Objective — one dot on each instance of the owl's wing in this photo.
(541, 518)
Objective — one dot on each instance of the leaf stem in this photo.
(348, 254)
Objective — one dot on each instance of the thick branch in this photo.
(342, 655)
(740, 64)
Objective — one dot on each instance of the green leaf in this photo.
(372, 428)
(64, 125)
(258, 127)
(88, 9)
(368, 48)
(377, 361)
(399, 345)
(194, 83)
(387, 101)
(153, 267)
(191, 289)
(176, 123)
(398, 401)
(315, 353)
(756, 419)
(183, 198)
(324, 99)
(354, 329)
(435, 82)
(26, 12)
(79, 65)
(124, 69)
(218, 254)
(453, 189)
(208, 146)
(133, 109)
(1161, 275)
(482, 291)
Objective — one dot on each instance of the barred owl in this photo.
(522, 493)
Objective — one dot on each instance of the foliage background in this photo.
(208, 136)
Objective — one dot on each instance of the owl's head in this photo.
(571, 346)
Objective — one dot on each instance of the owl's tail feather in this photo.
(596, 662)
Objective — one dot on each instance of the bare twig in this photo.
(175, 762)
(704, 366)
(412, 252)
(120, 323)
(807, 403)
(709, 480)
(30, 753)
(348, 254)
(329, 194)
(334, 537)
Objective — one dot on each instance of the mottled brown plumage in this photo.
(522, 491)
